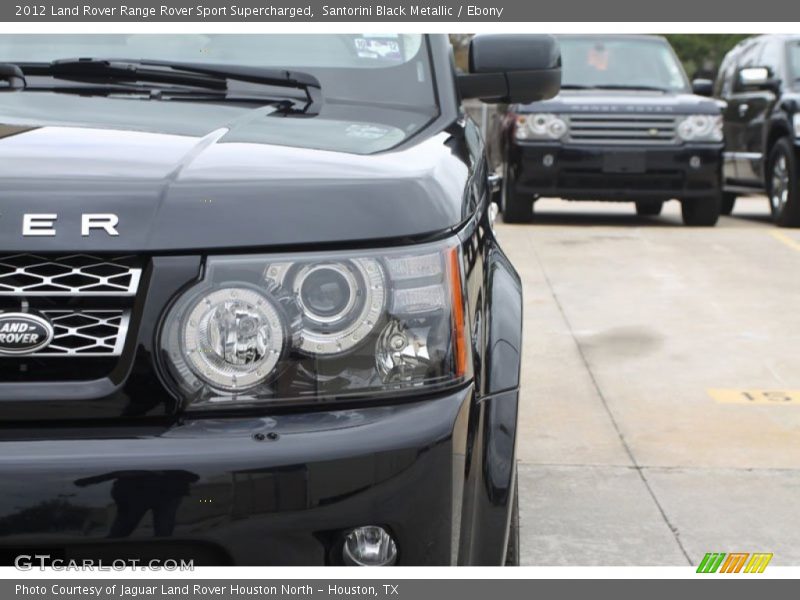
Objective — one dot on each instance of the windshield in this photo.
(376, 90)
(386, 68)
(619, 62)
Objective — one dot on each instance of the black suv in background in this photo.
(626, 127)
(760, 82)
(252, 309)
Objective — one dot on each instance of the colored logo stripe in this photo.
(711, 562)
(735, 561)
(758, 562)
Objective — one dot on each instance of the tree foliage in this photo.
(701, 54)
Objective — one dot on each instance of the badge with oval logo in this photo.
(23, 333)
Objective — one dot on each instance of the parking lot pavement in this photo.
(660, 414)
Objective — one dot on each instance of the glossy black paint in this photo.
(512, 68)
(179, 192)
(113, 466)
(756, 118)
(260, 490)
(578, 173)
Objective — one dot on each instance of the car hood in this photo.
(627, 101)
(186, 176)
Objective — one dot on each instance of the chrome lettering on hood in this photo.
(44, 224)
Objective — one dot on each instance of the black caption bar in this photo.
(742, 11)
(386, 589)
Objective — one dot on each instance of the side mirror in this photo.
(512, 68)
(757, 78)
(703, 87)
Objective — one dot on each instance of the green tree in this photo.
(701, 54)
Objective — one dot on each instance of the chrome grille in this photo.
(75, 275)
(86, 332)
(609, 128)
(87, 299)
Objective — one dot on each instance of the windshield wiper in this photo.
(13, 75)
(283, 106)
(195, 75)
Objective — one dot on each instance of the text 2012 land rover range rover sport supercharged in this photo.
(626, 127)
(254, 315)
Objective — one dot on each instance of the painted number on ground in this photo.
(774, 397)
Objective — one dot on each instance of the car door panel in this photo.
(743, 107)
(755, 108)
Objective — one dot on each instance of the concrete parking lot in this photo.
(661, 414)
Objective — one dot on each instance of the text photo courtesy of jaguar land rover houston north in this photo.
(394, 299)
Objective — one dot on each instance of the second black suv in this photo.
(760, 82)
(626, 127)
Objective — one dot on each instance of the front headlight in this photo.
(700, 128)
(797, 126)
(541, 126)
(283, 328)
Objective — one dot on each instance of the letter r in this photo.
(105, 221)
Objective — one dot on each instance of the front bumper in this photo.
(615, 172)
(278, 490)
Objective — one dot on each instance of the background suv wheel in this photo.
(782, 184)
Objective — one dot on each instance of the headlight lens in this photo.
(339, 303)
(286, 328)
(541, 126)
(233, 337)
(700, 128)
(797, 126)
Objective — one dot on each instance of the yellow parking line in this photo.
(755, 396)
(785, 239)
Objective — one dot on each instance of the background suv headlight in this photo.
(541, 126)
(797, 126)
(304, 327)
(700, 128)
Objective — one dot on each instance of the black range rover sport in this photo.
(626, 127)
(252, 309)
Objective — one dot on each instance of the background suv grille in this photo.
(74, 275)
(602, 128)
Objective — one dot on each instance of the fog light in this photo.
(548, 160)
(695, 162)
(369, 546)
